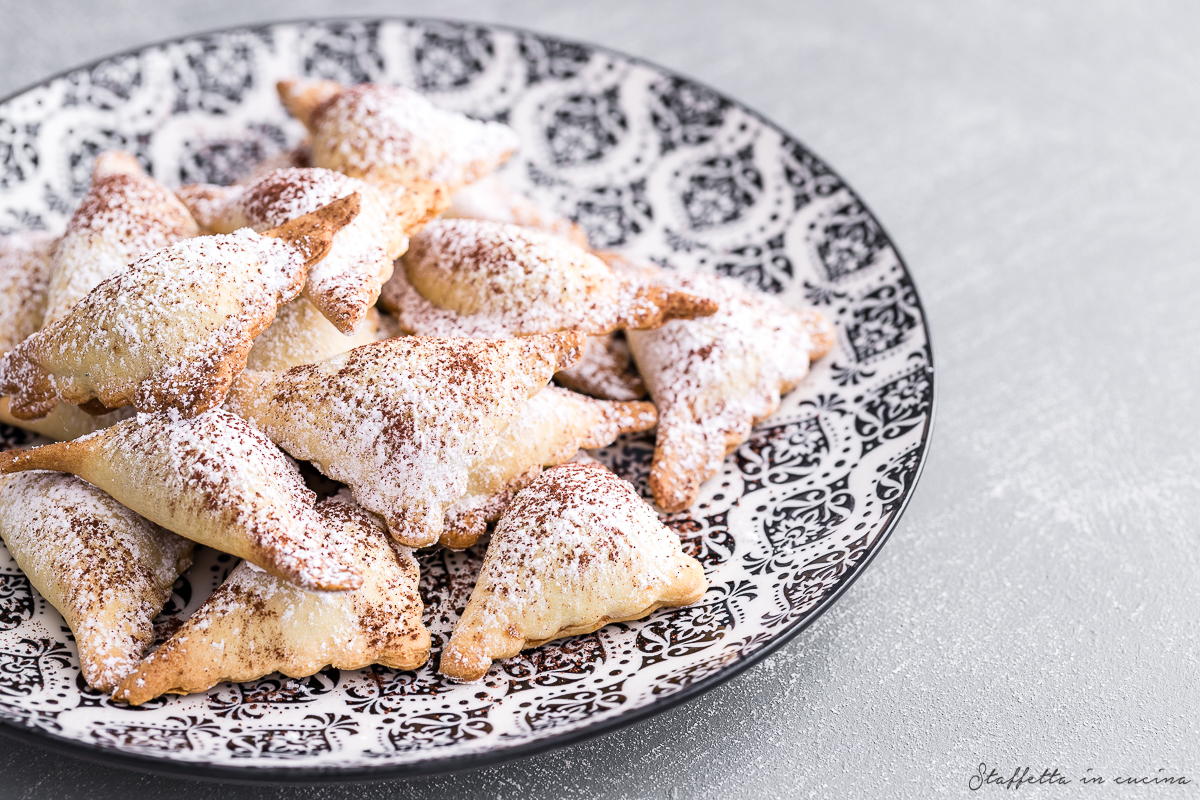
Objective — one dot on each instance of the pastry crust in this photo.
(174, 329)
(65, 421)
(301, 334)
(124, 215)
(467, 277)
(403, 421)
(255, 624)
(346, 282)
(713, 379)
(550, 430)
(25, 264)
(606, 371)
(489, 198)
(576, 550)
(106, 569)
(214, 479)
(393, 136)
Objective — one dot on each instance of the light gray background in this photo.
(1039, 168)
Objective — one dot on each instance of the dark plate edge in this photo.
(437, 766)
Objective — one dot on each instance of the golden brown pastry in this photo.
(107, 570)
(393, 136)
(124, 215)
(65, 421)
(25, 264)
(174, 329)
(403, 421)
(551, 429)
(576, 550)
(713, 379)
(255, 624)
(489, 198)
(605, 371)
(214, 479)
(346, 282)
(467, 277)
(301, 334)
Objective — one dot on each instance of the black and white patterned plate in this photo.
(648, 162)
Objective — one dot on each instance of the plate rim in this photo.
(254, 775)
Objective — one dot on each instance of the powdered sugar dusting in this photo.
(576, 549)
(392, 134)
(402, 421)
(124, 215)
(106, 569)
(169, 332)
(713, 378)
(218, 480)
(605, 371)
(523, 279)
(255, 624)
(550, 429)
(577, 524)
(346, 282)
(490, 199)
(24, 276)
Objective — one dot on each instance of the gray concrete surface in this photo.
(1038, 165)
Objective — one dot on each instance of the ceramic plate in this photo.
(648, 162)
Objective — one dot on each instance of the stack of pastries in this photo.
(381, 308)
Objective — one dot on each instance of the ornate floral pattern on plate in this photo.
(648, 162)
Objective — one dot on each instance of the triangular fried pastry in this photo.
(173, 329)
(576, 550)
(301, 334)
(124, 215)
(550, 430)
(25, 266)
(490, 198)
(255, 624)
(465, 277)
(346, 282)
(605, 371)
(106, 569)
(403, 421)
(393, 136)
(713, 379)
(215, 479)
